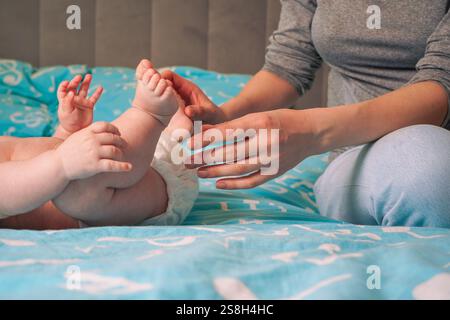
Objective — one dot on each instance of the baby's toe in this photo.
(161, 87)
(148, 75)
(169, 93)
(143, 66)
(153, 83)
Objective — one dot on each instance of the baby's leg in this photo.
(95, 200)
(129, 206)
(46, 217)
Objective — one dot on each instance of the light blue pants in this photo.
(403, 179)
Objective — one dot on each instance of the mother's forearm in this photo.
(421, 103)
(264, 92)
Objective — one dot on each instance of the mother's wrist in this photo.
(320, 125)
(235, 108)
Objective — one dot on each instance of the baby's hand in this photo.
(93, 150)
(76, 109)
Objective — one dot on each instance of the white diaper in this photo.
(182, 184)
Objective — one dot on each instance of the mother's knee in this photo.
(411, 177)
(419, 138)
(416, 151)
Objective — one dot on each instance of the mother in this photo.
(389, 92)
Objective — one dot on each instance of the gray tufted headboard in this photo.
(221, 35)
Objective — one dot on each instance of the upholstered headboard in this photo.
(221, 35)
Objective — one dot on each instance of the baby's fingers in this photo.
(111, 153)
(74, 83)
(111, 139)
(67, 103)
(85, 86)
(104, 127)
(62, 90)
(96, 95)
(106, 165)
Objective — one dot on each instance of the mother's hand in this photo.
(198, 105)
(297, 140)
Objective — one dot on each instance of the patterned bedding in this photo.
(266, 243)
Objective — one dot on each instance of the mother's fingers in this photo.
(230, 153)
(237, 129)
(228, 170)
(183, 86)
(248, 182)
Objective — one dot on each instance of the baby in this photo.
(99, 174)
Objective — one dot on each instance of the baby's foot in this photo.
(180, 121)
(154, 95)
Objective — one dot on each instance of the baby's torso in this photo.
(19, 149)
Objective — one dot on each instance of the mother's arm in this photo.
(307, 132)
(265, 91)
(290, 66)
(425, 100)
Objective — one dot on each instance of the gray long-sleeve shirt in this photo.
(371, 50)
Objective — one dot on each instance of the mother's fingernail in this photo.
(202, 173)
(221, 185)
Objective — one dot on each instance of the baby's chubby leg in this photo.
(95, 200)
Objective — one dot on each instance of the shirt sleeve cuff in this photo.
(439, 77)
(285, 75)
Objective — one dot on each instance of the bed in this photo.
(266, 243)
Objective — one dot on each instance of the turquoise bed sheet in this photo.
(266, 243)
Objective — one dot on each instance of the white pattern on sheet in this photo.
(26, 262)
(96, 284)
(150, 254)
(89, 249)
(322, 284)
(285, 256)
(332, 258)
(208, 229)
(17, 243)
(436, 288)
(174, 241)
(227, 240)
(233, 289)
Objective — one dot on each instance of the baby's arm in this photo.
(27, 185)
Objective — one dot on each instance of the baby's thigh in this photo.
(96, 205)
(133, 205)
